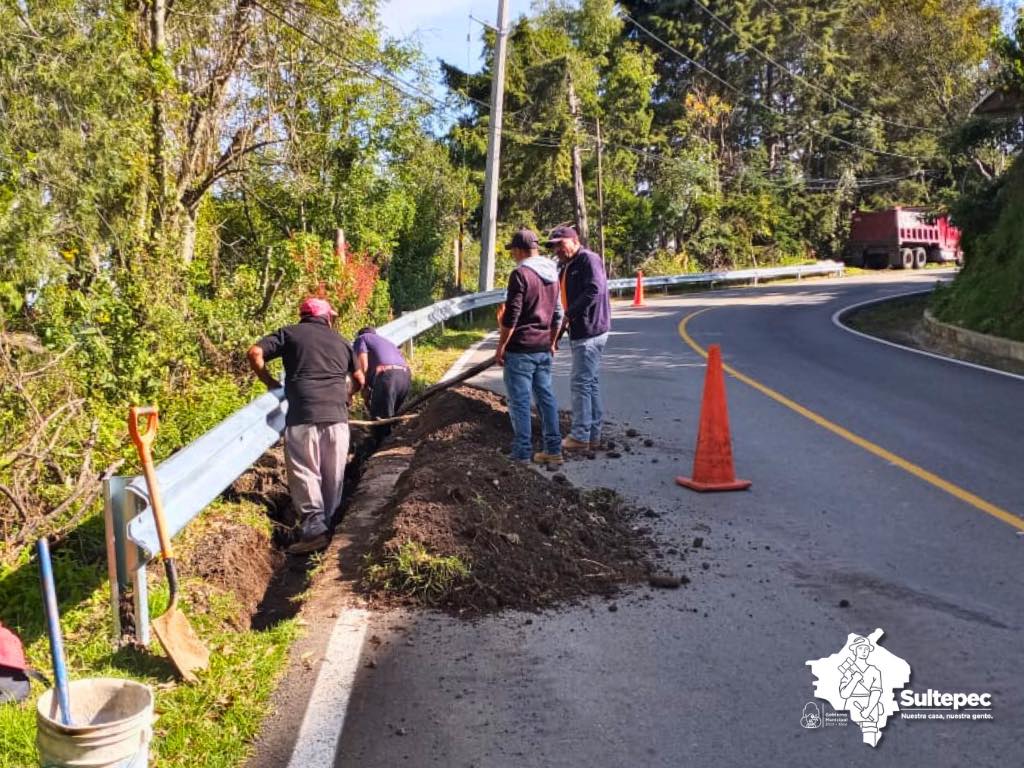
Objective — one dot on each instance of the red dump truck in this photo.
(901, 238)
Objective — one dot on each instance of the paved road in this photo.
(714, 674)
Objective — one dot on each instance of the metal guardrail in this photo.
(818, 269)
(196, 475)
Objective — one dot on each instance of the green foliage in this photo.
(412, 570)
(988, 294)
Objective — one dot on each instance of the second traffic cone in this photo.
(712, 464)
(638, 292)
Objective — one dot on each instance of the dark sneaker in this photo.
(548, 458)
(307, 546)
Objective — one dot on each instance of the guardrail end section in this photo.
(126, 563)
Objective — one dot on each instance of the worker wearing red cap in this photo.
(318, 362)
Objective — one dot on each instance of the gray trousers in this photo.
(315, 455)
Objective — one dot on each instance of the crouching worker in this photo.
(529, 328)
(387, 376)
(317, 363)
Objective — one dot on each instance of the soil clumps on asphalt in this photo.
(472, 531)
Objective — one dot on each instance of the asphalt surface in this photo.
(830, 540)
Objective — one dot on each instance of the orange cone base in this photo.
(693, 485)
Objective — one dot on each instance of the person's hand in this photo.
(499, 357)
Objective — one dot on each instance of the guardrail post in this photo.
(126, 563)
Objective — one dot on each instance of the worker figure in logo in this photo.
(861, 687)
(317, 364)
(387, 376)
(529, 328)
(588, 311)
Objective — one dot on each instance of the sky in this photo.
(440, 26)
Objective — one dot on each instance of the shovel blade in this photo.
(179, 641)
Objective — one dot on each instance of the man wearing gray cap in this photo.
(588, 310)
(530, 322)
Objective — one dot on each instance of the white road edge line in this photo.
(466, 358)
(319, 737)
(839, 324)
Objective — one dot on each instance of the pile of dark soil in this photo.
(528, 539)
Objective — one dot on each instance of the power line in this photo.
(746, 97)
(801, 79)
(410, 91)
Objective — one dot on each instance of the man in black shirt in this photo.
(317, 362)
(529, 329)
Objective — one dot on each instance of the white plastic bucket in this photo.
(113, 725)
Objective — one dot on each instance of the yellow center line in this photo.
(908, 466)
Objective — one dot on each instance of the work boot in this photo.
(572, 444)
(308, 546)
(548, 458)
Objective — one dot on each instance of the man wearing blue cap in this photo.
(529, 326)
(588, 310)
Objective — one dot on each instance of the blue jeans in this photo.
(525, 373)
(585, 385)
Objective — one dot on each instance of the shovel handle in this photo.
(145, 438)
(144, 443)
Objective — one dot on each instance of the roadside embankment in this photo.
(909, 322)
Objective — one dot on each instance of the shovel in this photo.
(172, 629)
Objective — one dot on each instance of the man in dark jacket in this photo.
(529, 327)
(588, 310)
(387, 376)
(317, 363)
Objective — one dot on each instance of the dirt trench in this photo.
(466, 529)
(230, 555)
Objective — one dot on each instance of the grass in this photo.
(216, 718)
(435, 352)
(212, 723)
(412, 570)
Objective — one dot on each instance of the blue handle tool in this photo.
(60, 672)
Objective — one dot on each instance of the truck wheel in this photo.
(920, 258)
(906, 259)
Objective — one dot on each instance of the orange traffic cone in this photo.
(638, 292)
(712, 464)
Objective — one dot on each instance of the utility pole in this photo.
(339, 245)
(579, 197)
(600, 194)
(488, 228)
